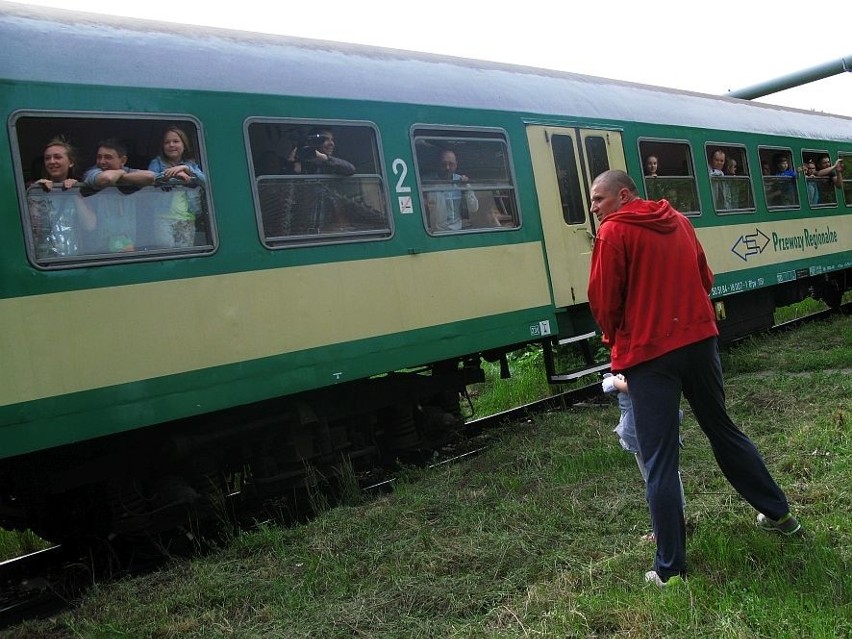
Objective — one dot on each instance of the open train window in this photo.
(465, 180)
(846, 159)
(317, 182)
(820, 175)
(669, 174)
(730, 181)
(779, 178)
(95, 188)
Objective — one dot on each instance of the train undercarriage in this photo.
(278, 454)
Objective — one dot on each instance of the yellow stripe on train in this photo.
(76, 341)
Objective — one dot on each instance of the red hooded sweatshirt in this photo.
(650, 283)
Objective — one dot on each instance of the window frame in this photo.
(155, 123)
(815, 153)
(429, 131)
(846, 156)
(711, 147)
(689, 156)
(765, 153)
(328, 238)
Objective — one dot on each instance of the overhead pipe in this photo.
(796, 79)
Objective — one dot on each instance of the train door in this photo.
(565, 161)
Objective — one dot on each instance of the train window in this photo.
(779, 178)
(317, 182)
(730, 181)
(568, 176)
(113, 213)
(672, 177)
(596, 155)
(465, 181)
(846, 159)
(820, 178)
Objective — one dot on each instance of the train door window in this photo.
(730, 181)
(465, 180)
(317, 182)
(779, 178)
(125, 206)
(568, 176)
(674, 177)
(846, 160)
(596, 155)
(820, 177)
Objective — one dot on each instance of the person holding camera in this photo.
(316, 156)
(321, 201)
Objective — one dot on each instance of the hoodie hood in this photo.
(657, 216)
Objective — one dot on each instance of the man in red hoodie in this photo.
(649, 292)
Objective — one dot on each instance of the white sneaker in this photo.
(652, 577)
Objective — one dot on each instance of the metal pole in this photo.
(796, 79)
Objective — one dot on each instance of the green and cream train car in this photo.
(366, 226)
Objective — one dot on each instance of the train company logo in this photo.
(755, 243)
(751, 244)
(814, 239)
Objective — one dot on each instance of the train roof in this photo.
(214, 59)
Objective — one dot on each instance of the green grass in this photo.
(527, 383)
(808, 306)
(540, 537)
(15, 543)
(802, 309)
(818, 347)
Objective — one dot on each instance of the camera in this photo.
(312, 144)
(306, 153)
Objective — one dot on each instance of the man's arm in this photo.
(338, 166)
(99, 179)
(606, 291)
(136, 178)
(835, 172)
(470, 200)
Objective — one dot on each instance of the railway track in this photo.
(40, 584)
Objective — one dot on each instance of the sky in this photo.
(711, 47)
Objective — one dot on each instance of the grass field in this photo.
(541, 536)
